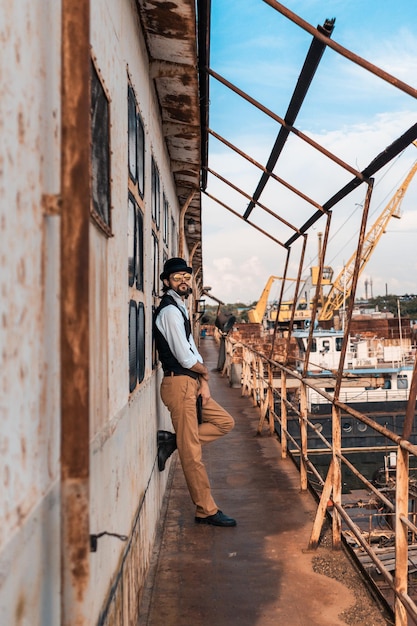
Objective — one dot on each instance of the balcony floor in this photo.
(258, 573)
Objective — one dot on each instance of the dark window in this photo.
(154, 351)
(313, 346)
(141, 156)
(166, 220)
(133, 361)
(132, 134)
(156, 194)
(100, 152)
(339, 343)
(135, 244)
(156, 279)
(141, 342)
(139, 238)
(131, 240)
(173, 238)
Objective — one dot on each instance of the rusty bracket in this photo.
(51, 203)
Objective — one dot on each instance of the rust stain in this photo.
(23, 448)
(21, 271)
(20, 609)
(165, 19)
(21, 126)
(6, 476)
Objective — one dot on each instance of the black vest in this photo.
(168, 360)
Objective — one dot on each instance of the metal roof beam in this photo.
(283, 123)
(374, 166)
(263, 168)
(310, 66)
(248, 197)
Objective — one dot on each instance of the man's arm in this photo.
(201, 369)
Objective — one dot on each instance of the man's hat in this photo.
(175, 265)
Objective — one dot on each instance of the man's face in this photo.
(180, 282)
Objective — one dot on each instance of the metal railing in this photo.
(266, 381)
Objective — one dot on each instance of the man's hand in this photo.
(204, 391)
(200, 369)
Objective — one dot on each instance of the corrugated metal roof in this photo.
(171, 37)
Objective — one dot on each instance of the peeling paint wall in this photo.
(125, 487)
(29, 313)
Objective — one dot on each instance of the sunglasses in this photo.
(178, 277)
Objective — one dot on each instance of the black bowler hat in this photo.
(175, 265)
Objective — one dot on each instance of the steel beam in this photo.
(310, 66)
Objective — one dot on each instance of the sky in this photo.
(350, 112)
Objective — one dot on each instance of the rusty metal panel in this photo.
(171, 38)
(75, 223)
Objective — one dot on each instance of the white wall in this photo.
(126, 488)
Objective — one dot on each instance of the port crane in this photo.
(255, 315)
(342, 285)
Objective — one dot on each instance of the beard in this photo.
(183, 290)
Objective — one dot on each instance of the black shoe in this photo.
(165, 450)
(218, 519)
(163, 436)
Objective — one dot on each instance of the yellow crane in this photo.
(255, 316)
(342, 285)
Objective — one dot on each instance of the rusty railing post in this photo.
(336, 476)
(401, 534)
(284, 419)
(303, 435)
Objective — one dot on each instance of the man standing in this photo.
(185, 378)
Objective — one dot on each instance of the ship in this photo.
(376, 381)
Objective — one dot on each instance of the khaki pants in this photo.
(179, 394)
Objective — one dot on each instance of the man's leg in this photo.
(179, 394)
(216, 422)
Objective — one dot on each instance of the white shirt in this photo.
(170, 323)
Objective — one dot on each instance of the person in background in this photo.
(185, 382)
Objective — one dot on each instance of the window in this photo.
(139, 250)
(141, 342)
(173, 238)
(136, 143)
(156, 194)
(136, 344)
(131, 240)
(132, 134)
(140, 155)
(165, 225)
(135, 239)
(100, 153)
(133, 372)
(156, 279)
(135, 244)
(339, 343)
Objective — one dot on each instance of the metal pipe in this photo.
(246, 195)
(278, 179)
(209, 195)
(181, 226)
(396, 82)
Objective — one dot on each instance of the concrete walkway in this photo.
(259, 572)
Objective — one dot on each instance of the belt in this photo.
(191, 374)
